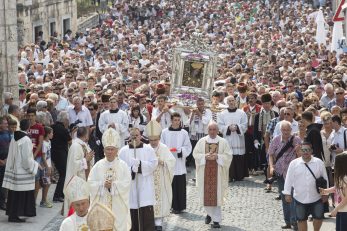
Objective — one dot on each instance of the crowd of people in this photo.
(95, 116)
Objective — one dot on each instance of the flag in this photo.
(321, 35)
(337, 37)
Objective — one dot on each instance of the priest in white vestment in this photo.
(109, 181)
(116, 119)
(77, 192)
(79, 161)
(163, 174)
(177, 139)
(233, 124)
(142, 162)
(212, 159)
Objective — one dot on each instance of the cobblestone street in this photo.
(247, 208)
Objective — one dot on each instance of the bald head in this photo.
(213, 129)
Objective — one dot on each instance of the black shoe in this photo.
(15, 219)
(158, 228)
(207, 219)
(176, 211)
(58, 199)
(286, 226)
(215, 225)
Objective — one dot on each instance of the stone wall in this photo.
(8, 48)
(44, 13)
(87, 22)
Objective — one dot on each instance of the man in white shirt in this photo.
(79, 113)
(307, 198)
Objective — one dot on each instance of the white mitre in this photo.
(100, 217)
(153, 130)
(111, 138)
(77, 189)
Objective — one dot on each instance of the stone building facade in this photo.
(48, 16)
(8, 48)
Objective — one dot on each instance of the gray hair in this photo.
(40, 105)
(40, 117)
(62, 117)
(284, 123)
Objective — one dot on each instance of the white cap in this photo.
(111, 138)
(77, 189)
(153, 129)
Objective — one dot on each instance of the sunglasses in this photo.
(91, 109)
(340, 93)
(306, 150)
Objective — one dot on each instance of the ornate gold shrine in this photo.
(194, 65)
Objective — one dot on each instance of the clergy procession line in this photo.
(98, 115)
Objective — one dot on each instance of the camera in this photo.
(333, 147)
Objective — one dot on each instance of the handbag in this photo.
(320, 182)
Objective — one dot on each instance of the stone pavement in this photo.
(247, 208)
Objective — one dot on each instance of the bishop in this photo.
(77, 192)
(163, 174)
(109, 181)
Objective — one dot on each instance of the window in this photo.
(52, 28)
(37, 33)
(66, 25)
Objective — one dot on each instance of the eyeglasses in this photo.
(91, 109)
(340, 93)
(287, 114)
(306, 150)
